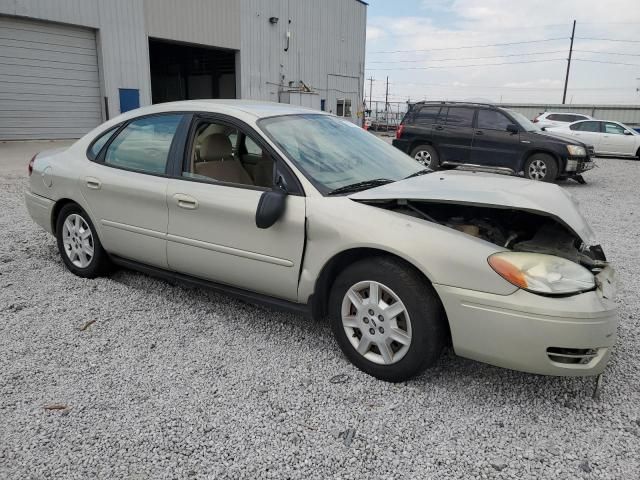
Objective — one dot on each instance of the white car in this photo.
(606, 137)
(306, 211)
(557, 119)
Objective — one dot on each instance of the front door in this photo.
(493, 145)
(615, 142)
(453, 134)
(125, 187)
(212, 231)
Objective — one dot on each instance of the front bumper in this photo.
(578, 165)
(532, 333)
(40, 209)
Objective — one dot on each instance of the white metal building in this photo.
(67, 65)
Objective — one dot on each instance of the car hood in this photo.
(557, 136)
(482, 189)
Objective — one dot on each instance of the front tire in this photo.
(541, 167)
(387, 319)
(427, 156)
(78, 243)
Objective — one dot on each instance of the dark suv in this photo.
(450, 134)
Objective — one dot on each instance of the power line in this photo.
(466, 66)
(608, 39)
(608, 53)
(473, 46)
(470, 58)
(610, 63)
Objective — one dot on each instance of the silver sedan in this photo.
(305, 211)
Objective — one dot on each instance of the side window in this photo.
(143, 145)
(492, 120)
(222, 153)
(460, 116)
(586, 127)
(98, 143)
(613, 128)
(555, 118)
(426, 115)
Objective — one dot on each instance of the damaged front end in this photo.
(513, 229)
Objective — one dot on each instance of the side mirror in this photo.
(270, 207)
(511, 128)
(627, 132)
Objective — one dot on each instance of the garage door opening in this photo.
(188, 72)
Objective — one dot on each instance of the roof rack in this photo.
(443, 102)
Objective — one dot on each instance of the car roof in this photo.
(566, 113)
(239, 108)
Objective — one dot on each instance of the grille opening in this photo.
(574, 356)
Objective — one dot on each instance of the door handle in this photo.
(479, 132)
(186, 201)
(93, 183)
(439, 127)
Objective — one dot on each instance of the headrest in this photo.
(215, 148)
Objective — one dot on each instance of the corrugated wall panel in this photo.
(327, 38)
(214, 23)
(49, 84)
(622, 113)
(77, 12)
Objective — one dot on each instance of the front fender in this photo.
(445, 256)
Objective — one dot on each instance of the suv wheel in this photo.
(78, 243)
(541, 167)
(427, 156)
(387, 319)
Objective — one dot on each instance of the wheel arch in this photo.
(416, 143)
(336, 264)
(57, 207)
(529, 153)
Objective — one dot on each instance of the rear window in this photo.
(565, 117)
(460, 116)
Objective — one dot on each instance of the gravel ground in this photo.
(170, 382)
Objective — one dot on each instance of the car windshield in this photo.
(335, 154)
(523, 121)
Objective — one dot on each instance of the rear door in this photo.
(453, 134)
(492, 144)
(126, 185)
(589, 132)
(419, 126)
(615, 142)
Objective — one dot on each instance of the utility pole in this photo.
(386, 105)
(566, 79)
(370, 90)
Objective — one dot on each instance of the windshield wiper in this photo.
(419, 172)
(358, 186)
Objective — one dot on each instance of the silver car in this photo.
(304, 211)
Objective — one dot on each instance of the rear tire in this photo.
(541, 167)
(78, 243)
(399, 335)
(427, 156)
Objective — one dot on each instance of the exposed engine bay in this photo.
(517, 230)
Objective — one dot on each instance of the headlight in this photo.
(576, 151)
(540, 273)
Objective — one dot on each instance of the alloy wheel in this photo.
(537, 170)
(376, 322)
(424, 157)
(77, 240)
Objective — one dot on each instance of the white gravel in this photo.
(176, 383)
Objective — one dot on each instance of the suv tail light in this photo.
(399, 130)
(33, 159)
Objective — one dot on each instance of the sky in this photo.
(422, 45)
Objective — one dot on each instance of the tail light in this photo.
(33, 159)
(536, 120)
(399, 130)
